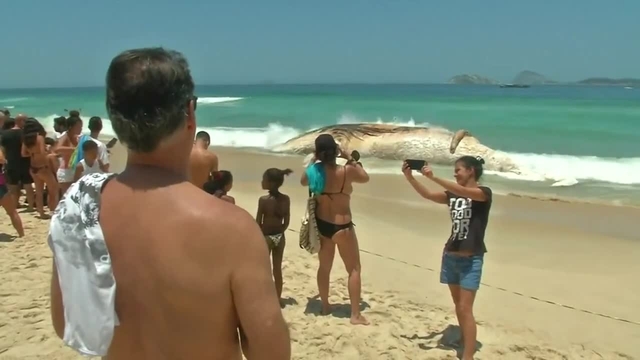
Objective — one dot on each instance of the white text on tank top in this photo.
(461, 213)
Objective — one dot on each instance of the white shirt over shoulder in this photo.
(84, 268)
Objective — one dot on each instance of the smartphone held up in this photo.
(415, 165)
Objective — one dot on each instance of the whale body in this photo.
(435, 145)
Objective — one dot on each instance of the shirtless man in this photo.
(202, 161)
(191, 271)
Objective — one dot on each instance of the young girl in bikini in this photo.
(273, 217)
(219, 185)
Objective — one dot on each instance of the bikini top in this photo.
(83, 263)
(344, 182)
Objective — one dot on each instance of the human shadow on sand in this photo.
(287, 302)
(450, 339)
(343, 311)
(6, 238)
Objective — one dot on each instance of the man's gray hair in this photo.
(148, 92)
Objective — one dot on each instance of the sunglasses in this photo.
(195, 102)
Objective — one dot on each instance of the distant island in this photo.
(531, 78)
(610, 82)
(522, 78)
(466, 79)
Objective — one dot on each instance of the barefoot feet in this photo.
(326, 309)
(359, 320)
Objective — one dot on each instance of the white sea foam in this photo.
(12, 100)
(562, 170)
(272, 134)
(217, 100)
(568, 170)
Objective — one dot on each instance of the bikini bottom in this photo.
(328, 229)
(273, 240)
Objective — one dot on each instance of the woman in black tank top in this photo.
(7, 201)
(341, 234)
(469, 205)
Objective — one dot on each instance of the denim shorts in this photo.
(463, 271)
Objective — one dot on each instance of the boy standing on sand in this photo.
(191, 271)
(90, 164)
(95, 127)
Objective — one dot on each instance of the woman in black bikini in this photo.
(333, 216)
(33, 146)
(273, 217)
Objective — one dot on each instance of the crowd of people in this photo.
(193, 274)
(42, 166)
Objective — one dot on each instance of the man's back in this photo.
(201, 163)
(180, 271)
(173, 270)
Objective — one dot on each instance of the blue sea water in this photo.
(583, 136)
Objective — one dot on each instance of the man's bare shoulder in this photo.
(212, 156)
(204, 154)
(196, 151)
(216, 216)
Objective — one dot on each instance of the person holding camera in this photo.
(463, 257)
(333, 185)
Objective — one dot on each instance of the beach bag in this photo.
(309, 236)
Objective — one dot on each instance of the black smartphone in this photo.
(416, 164)
(112, 143)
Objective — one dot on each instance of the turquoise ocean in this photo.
(574, 141)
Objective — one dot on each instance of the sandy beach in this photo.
(560, 278)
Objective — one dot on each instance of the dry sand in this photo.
(541, 255)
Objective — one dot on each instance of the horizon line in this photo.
(265, 83)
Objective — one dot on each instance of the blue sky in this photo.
(70, 42)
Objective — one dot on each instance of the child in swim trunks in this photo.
(219, 184)
(273, 217)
